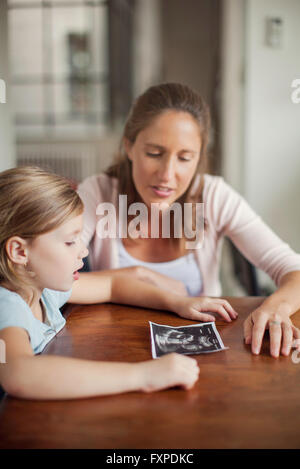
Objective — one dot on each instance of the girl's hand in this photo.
(198, 308)
(168, 371)
(281, 329)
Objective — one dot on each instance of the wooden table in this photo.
(240, 400)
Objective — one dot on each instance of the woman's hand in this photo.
(281, 329)
(198, 308)
(154, 278)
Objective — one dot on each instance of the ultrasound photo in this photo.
(187, 340)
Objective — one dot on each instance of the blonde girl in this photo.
(40, 254)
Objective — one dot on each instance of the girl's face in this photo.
(55, 257)
(165, 156)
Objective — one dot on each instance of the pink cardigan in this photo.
(227, 214)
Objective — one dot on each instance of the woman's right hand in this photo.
(168, 371)
(159, 280)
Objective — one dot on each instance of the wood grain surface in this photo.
(240, 400)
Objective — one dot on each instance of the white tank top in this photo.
(184, 268)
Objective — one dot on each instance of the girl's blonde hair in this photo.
(32, 202)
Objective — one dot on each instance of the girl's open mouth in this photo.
(76, 275)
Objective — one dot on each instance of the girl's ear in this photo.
(16, 249)
(128, 146)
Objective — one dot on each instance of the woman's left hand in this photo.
(283, 334)
(198, 308)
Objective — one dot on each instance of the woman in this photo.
(162, 161)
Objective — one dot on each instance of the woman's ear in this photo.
(128, 146)
(16, 249)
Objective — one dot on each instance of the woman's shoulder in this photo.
(217, 187)
(224, 205)
(100, 186)
(212, 180)
(100, 180)
(212, 185)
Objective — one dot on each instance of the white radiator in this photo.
(75, 161)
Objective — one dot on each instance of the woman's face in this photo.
(165, 156)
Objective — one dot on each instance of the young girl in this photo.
(40, 255)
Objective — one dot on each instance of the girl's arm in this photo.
(140, 273)
(27, 376)
(274, 314)
(100, 287)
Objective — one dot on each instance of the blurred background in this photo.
(70, 69)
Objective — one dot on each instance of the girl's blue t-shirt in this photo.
(15, 312)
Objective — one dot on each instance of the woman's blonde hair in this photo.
(153, 102)
(32, 202)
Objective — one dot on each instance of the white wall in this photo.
(232, 92)
(272, 121)
(7, 150)
(147, 66)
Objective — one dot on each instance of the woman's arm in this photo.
(274, 314)
(233, 217)
(27, 376)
